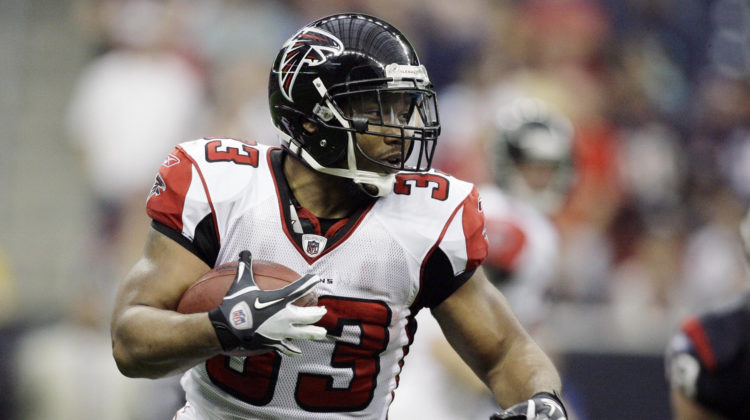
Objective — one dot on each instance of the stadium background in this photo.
(659, 92)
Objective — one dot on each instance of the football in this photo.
(208, 291)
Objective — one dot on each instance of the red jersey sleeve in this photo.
(166, 200)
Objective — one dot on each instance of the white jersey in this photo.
(405, 251)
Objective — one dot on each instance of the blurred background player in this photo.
(531, 152)
(138, 96)
(708, 359)
(531, 156)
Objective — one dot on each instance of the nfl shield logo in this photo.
(313, 244)
(313, 247)
(238, 317)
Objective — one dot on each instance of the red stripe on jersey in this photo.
(304, 213)
(410, 328)
(440, 239)
(336, 227)
(166, 201)
(694, 330)
(208, 199)
(473, 224)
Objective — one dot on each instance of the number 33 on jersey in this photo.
(408, 250)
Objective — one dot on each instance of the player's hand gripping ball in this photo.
(208, 291)
(265, 292)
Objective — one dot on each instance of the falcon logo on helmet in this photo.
(309, 47)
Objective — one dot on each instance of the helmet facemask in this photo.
(401, 112)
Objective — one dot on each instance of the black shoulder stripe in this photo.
(438, 281)
(205, 244)
(206, 241)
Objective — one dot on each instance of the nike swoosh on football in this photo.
(260, 305)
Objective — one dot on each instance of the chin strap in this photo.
(383, 185)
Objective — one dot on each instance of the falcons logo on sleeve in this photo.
(309, 47)
(159, 186)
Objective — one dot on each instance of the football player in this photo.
(531, 149)
(350, 202)
(708, 360)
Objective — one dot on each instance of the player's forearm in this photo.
(151, 343)
(524, 371)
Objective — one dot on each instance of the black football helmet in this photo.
(530, 132)
(352, 74)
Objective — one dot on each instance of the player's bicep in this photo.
(164, 271)
(479, 323)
